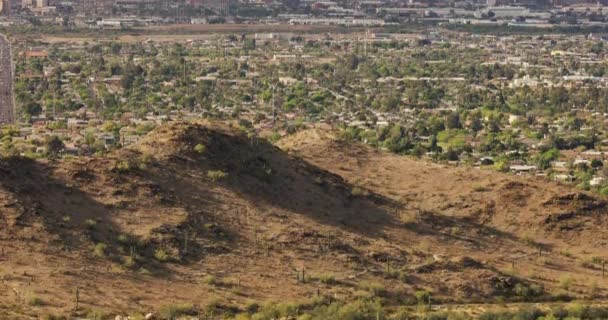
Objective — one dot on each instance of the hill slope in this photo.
(204, 215)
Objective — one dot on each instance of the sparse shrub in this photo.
(577, 310)
(529, 240)
(528, 293)
(122, 166)
(32, 299)
(359, 192)
(129, 262)
(146, 158)
(588, 265)
(422, 296)
(524, 313)
(277, 311)
(200, 148)
(562, 295)
(90, 223)
(137, 316)
(424, 246)
(216, 175)
(173, 311)
(123, 239)
(402, 314)
(142, 166)
(327, 279)
(98, 315)
(559, 312)
(565, 282)
(597, 260)
(209, 279)
(528, 313)
(363, 294)
(479, 188)
(396, 274)
(443, 315)
(161, 255)
(252, 307)
(54, 317)
(274, 137)
(100, 250)
(596, 312)
(374, 288)
(143, 270)
(358, 309)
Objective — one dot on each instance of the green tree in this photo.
(54, 146)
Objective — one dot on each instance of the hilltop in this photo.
(205, 215)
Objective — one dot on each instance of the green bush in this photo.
(327, 278)
(216, 175)
(33, 300)
(200, 148)
(375, 288)
(100, 250)
(276, 311)
(122, 167)
(161, 255)
(90, 223)
(209, 279)
(528, 293)
(422, 296)
(565, 282)
(98, 315)
(173, 311)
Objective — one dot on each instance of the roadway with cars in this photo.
(6, 82)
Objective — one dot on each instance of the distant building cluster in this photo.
(362, 13)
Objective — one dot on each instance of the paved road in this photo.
(7, 106)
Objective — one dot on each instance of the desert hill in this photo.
(205, 215)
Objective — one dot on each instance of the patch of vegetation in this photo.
(480, 188)
(122, 167)
(90, 223)
(565, 282)
(200, 148)
(31, 299)
(100, 250)
(216, 175)
(161, 255)
(396, 274)
(423, 296)
(359, 192)
(210, 280)
(375, 288)
(98, 315)
(174, 311)
(528, 293)
(328, 279)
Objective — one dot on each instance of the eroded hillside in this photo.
(203, 214)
